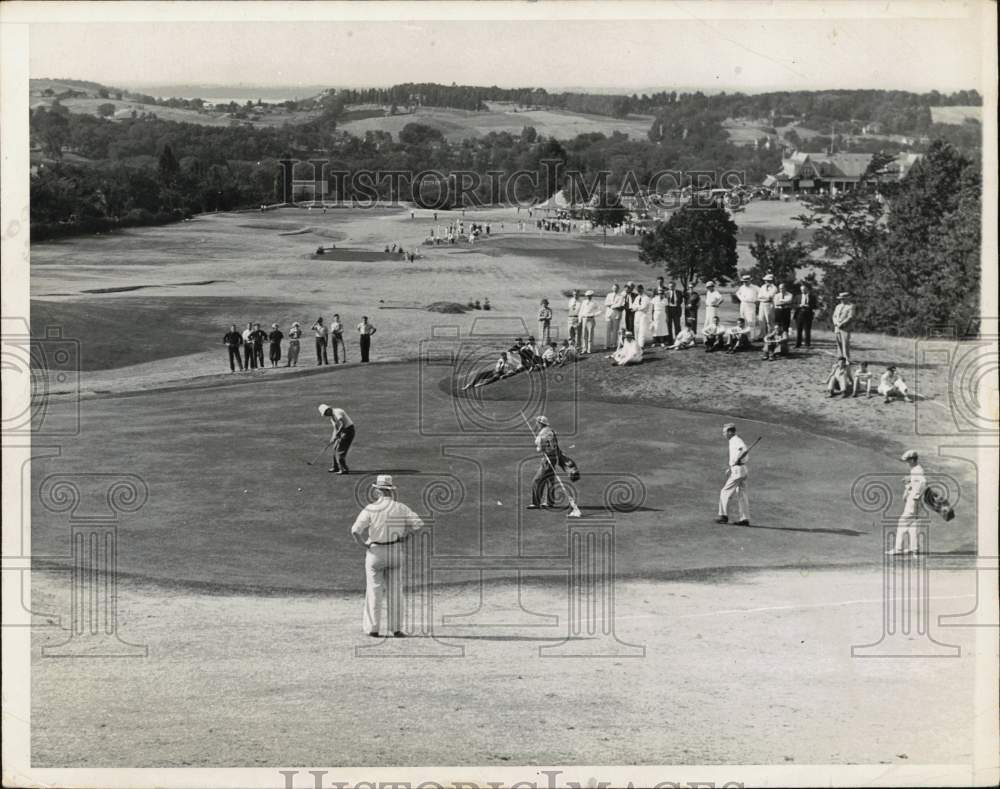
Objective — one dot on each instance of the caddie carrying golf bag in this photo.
(566, 464)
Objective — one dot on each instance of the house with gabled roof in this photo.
(831, 172)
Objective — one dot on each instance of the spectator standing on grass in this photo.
(274, 345)
(258, 335)
(642, 307)
(715, 335)
(573, 318)
(691, 304)
(589, 311)
(765, 306)
(337, 340)
(658, 307)
(614, 306)
(805, 308)
(713, 300)
(321, 332)
(545, 321)
(233, 340)
(628, 313)
(675, 301)
(843, 314)
(294, 334)
(783, 308)
(746, 295)
(249, 360)
(891, 385)
(365, 332)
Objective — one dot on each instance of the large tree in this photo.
(607, 211)
(782, 258)
(694, 245)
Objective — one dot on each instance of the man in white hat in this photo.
(736, 482)
(543, 484)
(614, 304)
(573, 319)
(589, 311)
(913, 493)
(382, 528)
(746, 294)
(843, 314)
(765, 305)
(342, 438)
(713, 300)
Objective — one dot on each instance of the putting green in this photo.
(233, 504)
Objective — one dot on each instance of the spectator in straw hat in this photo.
(382, 528)
(765, 305)
(843, 314)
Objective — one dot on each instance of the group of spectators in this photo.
(525, 356)
(845, 381)
(246, 348)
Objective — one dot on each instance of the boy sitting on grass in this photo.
(863, 376)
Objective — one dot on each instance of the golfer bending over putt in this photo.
(342, 438)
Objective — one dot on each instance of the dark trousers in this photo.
(366, 346)
(258, 354)
(674, 320)
(249, 359)
(692, 317)
(803, 325)
(782, 318)
(234, 358)
(335, 341)
(274, 352)
(543, 485)
(714, 343)
(630, 321)
(344, 444)
(321, 357)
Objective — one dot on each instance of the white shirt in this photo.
(746, 294)
(713, 298)
(916, 484)
(573, 307)
(365, 328)
(590, 309)
(385, 520)
(613, 301)
(321, 330)
(736, 448)
(783, 299)
(246, 336)
(340, 419)
(765, 293)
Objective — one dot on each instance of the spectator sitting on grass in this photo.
(567, 354)
(502, 369)
(685, 339)
(775, 343)
(530, 357)
(840, 380)
(630, 352)
(862, 376)
(892, 385)
(550, 355)
(738, 337)
(715, 335)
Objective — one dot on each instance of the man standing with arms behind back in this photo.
(382, 528)
(736, 482)
(805, 308)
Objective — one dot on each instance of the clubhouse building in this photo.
(830, 172)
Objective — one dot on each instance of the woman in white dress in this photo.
(713, 300)
(642, 306)
(659, 309)
(630, 351)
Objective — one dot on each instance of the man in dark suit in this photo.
(233, 340)
(630, 296)
(675, 300)
(806, 305)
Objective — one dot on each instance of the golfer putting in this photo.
(543, 484)
(341, 440)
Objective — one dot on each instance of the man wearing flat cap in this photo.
(843, 314)
(382, 528)
(913, 493)
(589, 310)
(736, 482)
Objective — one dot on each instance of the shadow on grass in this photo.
(841, 532)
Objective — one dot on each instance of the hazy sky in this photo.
(690, 50)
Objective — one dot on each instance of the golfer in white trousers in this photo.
(736, 482)
(913, 492)
(383, 528)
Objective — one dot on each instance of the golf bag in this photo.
(939, 503)
(566, 464)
